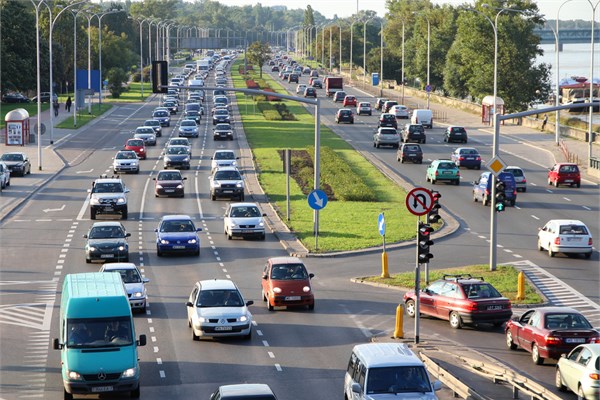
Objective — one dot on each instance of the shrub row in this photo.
(251, 84)
(286, 115)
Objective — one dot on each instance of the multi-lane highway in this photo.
(300, 354)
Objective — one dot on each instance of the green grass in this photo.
(343, 225)
(83, 117)
(31, 108)
(133, 94)
(504, 279)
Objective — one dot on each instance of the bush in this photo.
(116, 78)
(286, 114)
(272, 115)
(251, 84)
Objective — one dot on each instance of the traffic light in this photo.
(433, 215)
(500, 196)
(160, 76)
(423, 243)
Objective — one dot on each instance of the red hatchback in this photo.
(285, 282)
(564, 174)
(461, 299)
(349, 101)
(548, 332)
(138, 146)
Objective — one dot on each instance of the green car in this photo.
(443, 170)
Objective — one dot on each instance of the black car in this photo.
(344, 115)
(15, 98)
(176, 157)
(155, 124)
(310, 92)
(413, 133)
(317, 83)
(387, 120)
(293, 78)
(455, 134)
(18, 163)
(106, 241)
(221, 116)
(410, 152)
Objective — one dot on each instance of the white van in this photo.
(423, 117)
(379, 370)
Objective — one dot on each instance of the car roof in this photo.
(566, 221)
(243, 205)
(212, 284)
(107, 223)
(246, 389)
(387, 355)
(118, 265)
(555, 309)
(285, 260)
(224, 151)
(228, 168)
(175, 217)
(15, 152)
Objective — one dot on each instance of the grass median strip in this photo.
(343, 225)
(504, 279)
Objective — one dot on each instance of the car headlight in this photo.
(129, 373)
(74, 376)
(243, 318)
(192, 241)
(137, 294)
(92, 248)
(167, 158)
(261, 224)
(164, 241)
(202, 320)
(121, 200)
(180, 186)
(239, 184)
(122, 248)
(187, 159)
(276, 290)
(159, 186)
(95, 201)
(306, 289)
(216, 184)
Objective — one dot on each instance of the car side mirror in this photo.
(56, 345)
(311, 275)
(212, 158)
(142, 341)
(249, 302)
(89, 190)
(153, 179)
(198, 229)
(189, 304)
(145, 280)
(127, 234)
(184, 178)
(437, 385)
(126, 190)
(156, 230)
(265, 276)
(85, 236)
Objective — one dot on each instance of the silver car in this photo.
(135, 283)
(578, 371)
(4, 175)
(386, 137)
(147, 134)
(519, 177)
(126, 161)
(188, 128)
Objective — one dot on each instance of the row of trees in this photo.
(461, 47)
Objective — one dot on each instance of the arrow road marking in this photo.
(318, 200)
(54, 209)
(85, 172)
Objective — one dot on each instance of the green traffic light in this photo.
(499, 207)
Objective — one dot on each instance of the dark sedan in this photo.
(106, 241)
(177, 234)
(169, 183)
(15, 98)
(18, 163)
(177, 157)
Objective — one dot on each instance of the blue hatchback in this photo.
(177, 234)
(467, 157)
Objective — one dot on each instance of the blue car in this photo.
(467, 157)
(177, 234)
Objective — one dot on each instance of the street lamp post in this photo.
(39, 100)
(591, 111)
(365, 49)
(428, 87)
(402, 77)
(141, 22)
(100, 49)
(557, 77)
(75, 96)
(351, 45)
(381, 59)
(330, 54)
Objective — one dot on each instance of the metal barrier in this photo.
(595, 163)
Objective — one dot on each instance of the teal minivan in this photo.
(97, 336)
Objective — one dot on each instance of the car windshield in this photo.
(179, 142)
(107, 187)
(412, 148)
(146, 131)
(388, 131)
(398, 380)
(220, 298)
(566, 321)
(224, 155)
(161, 114)
(126, 155)
(99, 332)
(152, 122)
(245, 212)
(168, 176)
(188, 123)
(227, 176)
(11, 157)
(282, 272)
(135, 143)
(177, 226)
(468, 151)
(222, 127)
(572, 229)
(446, 165)
(128, 275)
(221, 112)
(568, 168)
(515, 172)
(106, 232)
(458, 130)
(177, 150)
(480, 290)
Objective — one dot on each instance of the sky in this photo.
(576, 9)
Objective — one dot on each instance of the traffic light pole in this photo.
(417, 286)
(493, 228)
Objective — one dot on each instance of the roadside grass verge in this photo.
(83, 117)
(31, 108)
(133, 93)
(343, 225)
(504, 279)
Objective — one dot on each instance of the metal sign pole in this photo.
(417, 287)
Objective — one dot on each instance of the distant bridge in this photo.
(568, 36)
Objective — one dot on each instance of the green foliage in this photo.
(116, 78)
(258, 54)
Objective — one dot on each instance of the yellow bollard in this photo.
(521, 286)
(399, 331)
(384, 265)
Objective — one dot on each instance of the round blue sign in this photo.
(317, 199)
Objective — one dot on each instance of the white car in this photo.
(4, 175)
(400, 111)
(126, 161)
(135, 283)
(223, 158)
(566, 236)
(364, 107)
(520, 179)
(300, 88)
(216, 308)
(243, 220)
(578, 371)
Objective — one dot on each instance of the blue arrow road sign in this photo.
(317, 199)
(381, 224)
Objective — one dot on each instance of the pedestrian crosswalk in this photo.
(36, 314)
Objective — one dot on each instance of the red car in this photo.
(349, 101)
(461, 299)
(548, 332)
(285, 282)
(138, 146)
(564, 174)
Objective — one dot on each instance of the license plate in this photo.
(223, 328)
(227, 191)
(494, 308)
(469, 158)
(107, 256)
(292, 298)
(99, 389)
(575, 340)
(178, 247)
(109, 209)
(446, 172)
(573, 239)
(169, 190)
(247, 231)
(412, 155)
(568, 180)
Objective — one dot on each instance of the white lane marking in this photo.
(567, 199)
(534, 217)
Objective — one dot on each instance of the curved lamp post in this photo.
(75, 97)
(591, 111)
(365, 49)
(351, 45)
(100, 16)
(428, 88)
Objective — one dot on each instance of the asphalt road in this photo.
(300, 354)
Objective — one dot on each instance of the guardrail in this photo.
(595, 163)
(458, 388)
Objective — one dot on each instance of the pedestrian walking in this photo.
(56, 106)
(68, 104)
(544, 121)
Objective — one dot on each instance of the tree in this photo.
(258, 53)
(116, 77)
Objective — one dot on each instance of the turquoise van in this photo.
(97, 336)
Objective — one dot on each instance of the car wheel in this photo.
(486, 201)
(556, 183)
(401, 160)
(509, 341)
(124, 215)
(578, 185)
(249, 335)
(474, 198)
(263, 236)
(580, 394)
(549, 182)
(512, 203)
(269, 306)
(311, 307)
(558, 382)
(67, 396)
(457, 182)
(455, 320)
(524, 190)
(92, 214)
(433, 181)
(213, 197)
(88, 261)
(424, 141)
(411, 309)
(550, 252)
(539, 246)
(588, 255)
(479, 166)
(135, 394)
(194, 336)
(262, 294)
(158, 252)
(445, 140)
(535, 355)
